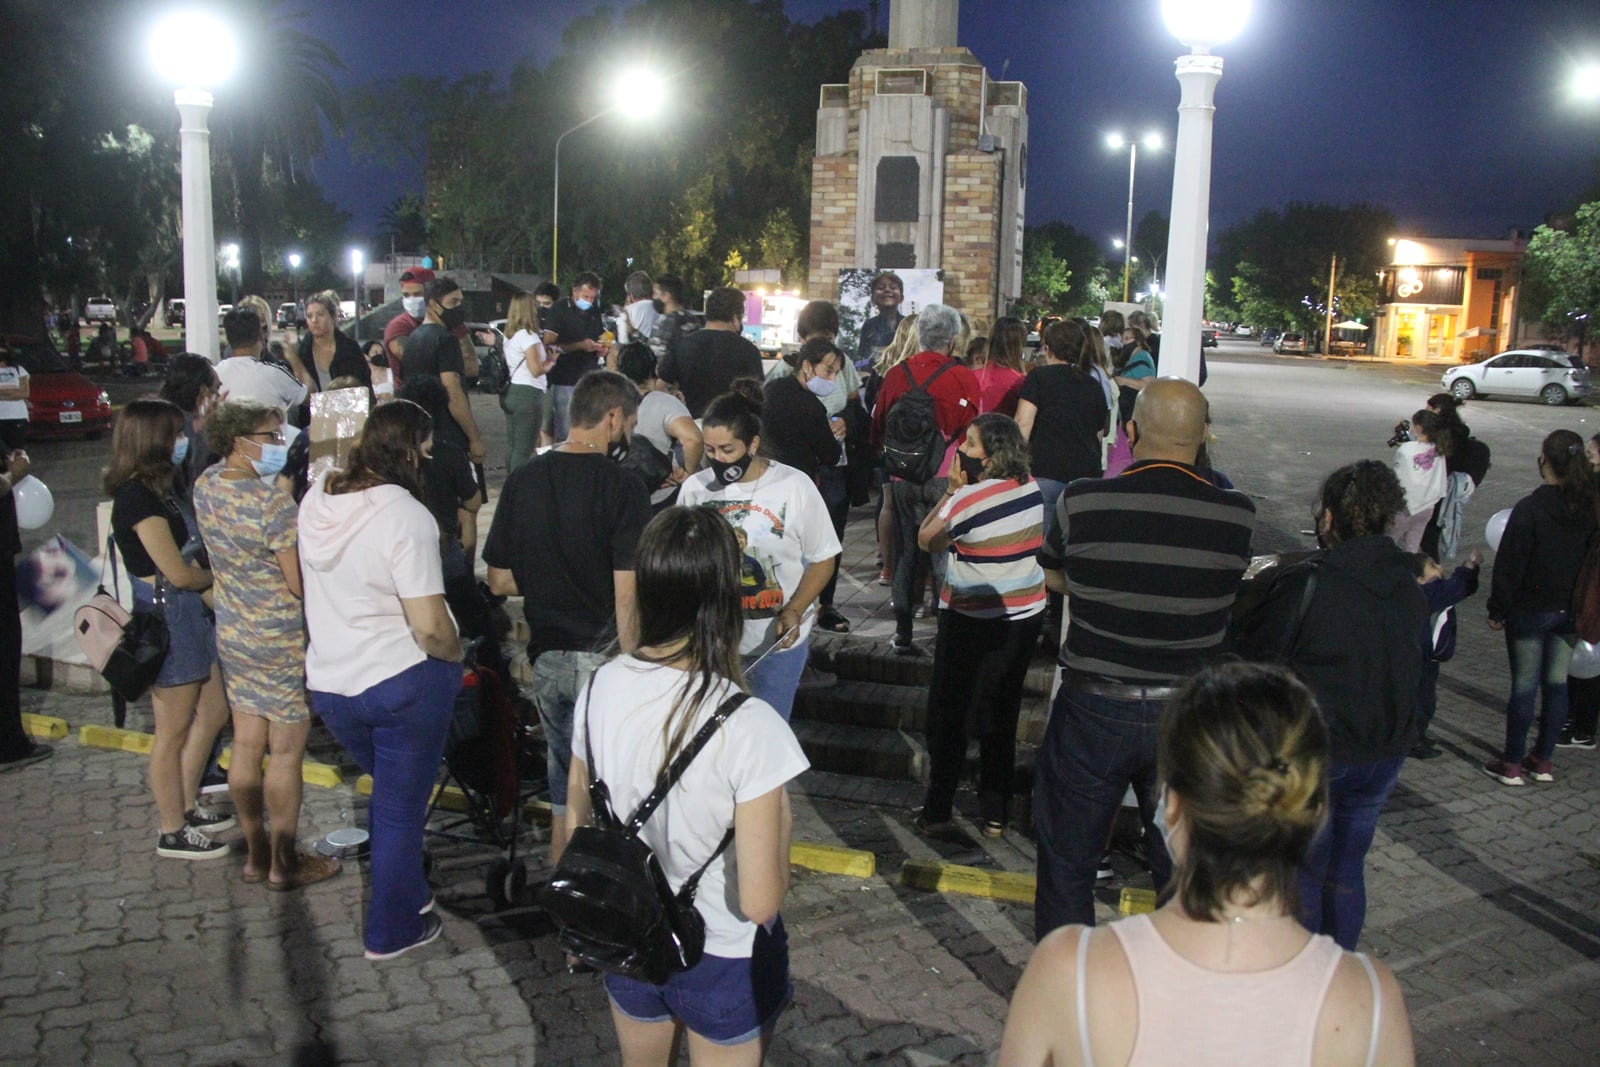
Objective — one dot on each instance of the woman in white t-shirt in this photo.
(13, 402)
(638, 713)
(526, 398)
(785, 537)
(383, 664)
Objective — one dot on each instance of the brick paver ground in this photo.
(1484, 900)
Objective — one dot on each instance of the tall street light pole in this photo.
(1202, 25)
(194, 50)
(1116, 143)
(637, 93)
(355, 277)
(294, 278)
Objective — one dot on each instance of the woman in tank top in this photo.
(1223, 973)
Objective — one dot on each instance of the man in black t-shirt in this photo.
(573, 326)
(433, 349)
(708, 360)
(564, 534)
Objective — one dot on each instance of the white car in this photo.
(99, 309)
(1242, 331)
(1554, 377)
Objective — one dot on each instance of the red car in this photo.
(60, 400)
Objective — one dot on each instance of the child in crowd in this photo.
(1439, 643)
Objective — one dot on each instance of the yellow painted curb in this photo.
(450, 798)
(323, 775)
(833, 859)
(968, 881)
(46, 726)
(121, 740)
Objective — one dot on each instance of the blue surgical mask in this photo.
(822, 386)
(180, 450)
(273, 458)
(584, 305)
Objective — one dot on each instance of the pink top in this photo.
(1199, 1017)
(998, 388)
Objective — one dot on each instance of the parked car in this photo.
(1290, 344)
(100, 309)
(1208, 338)
(174, 313)
(1242, 331)
(288, 315)
(1268, 338)
(60, 400)
(1554, 377)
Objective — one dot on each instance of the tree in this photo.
(1046, 280)
(404, 224)
(1563, 273)
(1079, 255)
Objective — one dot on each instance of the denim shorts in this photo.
(726, 1001)
(191, 630)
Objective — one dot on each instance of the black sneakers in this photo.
(208, 821)
(190, 844)
(36, 753)
(432, 927)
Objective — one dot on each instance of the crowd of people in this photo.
(673, 517)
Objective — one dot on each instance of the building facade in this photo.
(1449, 300)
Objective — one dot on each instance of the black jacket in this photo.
(1356, 647)
(1537, 563)
(347, 361)
(795, 429)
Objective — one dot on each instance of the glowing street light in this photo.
(1585, 85)
(356, 262)
(638, 93)
(194, 50)
(1202, 25)
(230, 263)
(294, 278)
(1116, 142)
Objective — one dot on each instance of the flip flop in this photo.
(251, 879)
(313, 869)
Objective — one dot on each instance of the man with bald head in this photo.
(1150, 562)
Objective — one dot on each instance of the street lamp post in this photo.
(1202, 25)
(355, 275)
(1116, 143)
(230, 262)
(194, 50)
(638, 93)
(294, 278)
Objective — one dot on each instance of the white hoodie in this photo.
(360, 553)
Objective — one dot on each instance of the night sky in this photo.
(1453, 114)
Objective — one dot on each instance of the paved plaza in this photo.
(1484, 900)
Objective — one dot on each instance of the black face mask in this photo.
(730, 471)
(453, 318)
(972, 467)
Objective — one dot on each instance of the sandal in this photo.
(313, 869)
(251, 879)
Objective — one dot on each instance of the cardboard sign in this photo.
(337, 417)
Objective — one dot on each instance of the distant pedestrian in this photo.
(17, 749)
(998, 368)
(527, 394)
(1221, 974)
(708, 361)
(1134, 634)
(1530, 598)
(573, 329)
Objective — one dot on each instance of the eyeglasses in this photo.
(275, 436)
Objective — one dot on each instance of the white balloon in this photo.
(35, 504)
(1585, 661)
(1496, 528)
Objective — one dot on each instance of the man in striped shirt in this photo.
(1150, 562)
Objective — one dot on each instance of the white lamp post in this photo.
(356, 260)
(294, 277)
(195, 50)
(1202, 25)
(637, 94)
(1116, 143)
(230, 263)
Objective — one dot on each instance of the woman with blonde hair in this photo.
(1223, 972)
(187, 699)
(527, 397)
(902, 348)
(327, 352)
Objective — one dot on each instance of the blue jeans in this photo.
(776, 680)
(912, 502)
(395, 731)
(836, 495)
(558, 678)
(1333, 884)
(1094, 749)
(1539, 644)
(560, 404)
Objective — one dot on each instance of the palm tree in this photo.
(272, 115)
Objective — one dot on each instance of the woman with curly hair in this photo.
(1535, 570)
(1349, 621)
(991, 522)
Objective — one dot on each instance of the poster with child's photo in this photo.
(873, 301)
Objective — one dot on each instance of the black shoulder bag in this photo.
(609, 896)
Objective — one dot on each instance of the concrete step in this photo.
(866, 704)
(862, 751)
(865, 659)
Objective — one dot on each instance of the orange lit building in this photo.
(1449, 300)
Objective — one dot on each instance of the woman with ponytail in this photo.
(1535, 570)
(1221, 973)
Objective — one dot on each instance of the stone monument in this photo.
(922, 163)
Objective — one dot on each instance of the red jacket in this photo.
(955, 394)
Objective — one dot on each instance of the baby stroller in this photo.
(485, 753)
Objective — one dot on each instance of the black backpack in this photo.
(609, 896)
(913, 444)
(644, 459)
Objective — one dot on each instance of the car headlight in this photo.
(104, 400)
